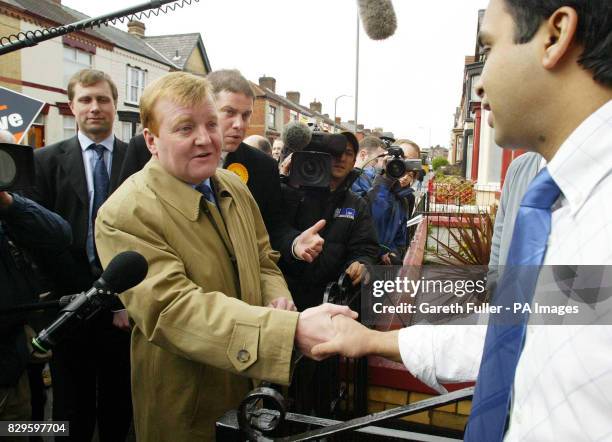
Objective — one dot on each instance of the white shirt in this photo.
(89, 161)
(563, 383)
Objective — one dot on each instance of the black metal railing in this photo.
(273, 423)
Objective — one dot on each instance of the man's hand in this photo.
(121, 320)
(315, 326)
(309, 244)
(356, 271)
(285, 166)
(5, 200)
(353, 340)
(283, 303)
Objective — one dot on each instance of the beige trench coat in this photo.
(198, 333)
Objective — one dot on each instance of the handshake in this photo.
(331, 329)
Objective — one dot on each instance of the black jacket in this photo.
(25, 229)
(262, 179)
(349, 236)
(61, 186)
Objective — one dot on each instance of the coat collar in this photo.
(182, 196)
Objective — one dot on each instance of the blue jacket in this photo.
(390, 205)
(362, 185)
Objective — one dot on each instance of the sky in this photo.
(409, 84)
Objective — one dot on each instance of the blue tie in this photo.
(505, 338)
(206, 190)
(100, 181)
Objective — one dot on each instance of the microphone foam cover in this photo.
(296, 136)
(378, 18)
(125, 271)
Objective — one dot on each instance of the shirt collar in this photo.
(85, 141)
(585, 158)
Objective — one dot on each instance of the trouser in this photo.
(90, 373)
(15, 404)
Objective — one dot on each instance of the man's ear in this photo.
(150, 141)
(560, 31)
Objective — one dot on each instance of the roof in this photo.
(179, 47)
(146, 47)
(267, 93)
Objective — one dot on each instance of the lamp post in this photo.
(335, 106)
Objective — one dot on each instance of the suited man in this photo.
(234, 100)
(90, 369)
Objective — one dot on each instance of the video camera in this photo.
(398, 166)
(311, 166)
(311, 154)
(16, 167)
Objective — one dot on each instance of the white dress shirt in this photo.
(563, 383)
(89, 161)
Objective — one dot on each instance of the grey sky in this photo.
(409, 83)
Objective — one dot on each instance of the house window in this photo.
(271, 117)
(293, 116)
(69, 126)
(135, 84)
(75, 60)
(127, 130)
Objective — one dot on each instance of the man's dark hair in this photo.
(594, 30)
(230, 80)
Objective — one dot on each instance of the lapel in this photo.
(74, 168)
(119, 149)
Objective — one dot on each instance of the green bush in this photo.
(438, 162)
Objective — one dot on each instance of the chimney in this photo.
(268, 82)
(338, 120)
(294, 97)
(136, 28)
(316, 106)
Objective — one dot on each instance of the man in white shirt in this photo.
(548, 84)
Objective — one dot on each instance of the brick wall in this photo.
(451, 416)
(10, 64)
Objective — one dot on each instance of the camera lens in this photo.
(8, 169)
(396, 168)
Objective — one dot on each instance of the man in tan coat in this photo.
(200, 332)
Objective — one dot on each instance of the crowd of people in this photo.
(238, 259)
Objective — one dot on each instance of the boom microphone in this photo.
(296, 137)
(378, 18)
(125, 271)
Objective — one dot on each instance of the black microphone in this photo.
(125, 271)
(296, 137)
(378, 18)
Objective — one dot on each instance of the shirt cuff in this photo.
(417, 350)
(292, 249)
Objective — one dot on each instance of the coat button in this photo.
(243, 356)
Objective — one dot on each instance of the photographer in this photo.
(25, 228)
(350, 239)
(391, 201)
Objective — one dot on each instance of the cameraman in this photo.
(349, 235)
(391, 203)
(25, 227)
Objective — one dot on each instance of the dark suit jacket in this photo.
(263, 182)
(61, 186)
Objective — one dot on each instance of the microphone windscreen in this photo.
(125, 270)
(378, 18)
(296, 136)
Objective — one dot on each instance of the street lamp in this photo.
(335, 106)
